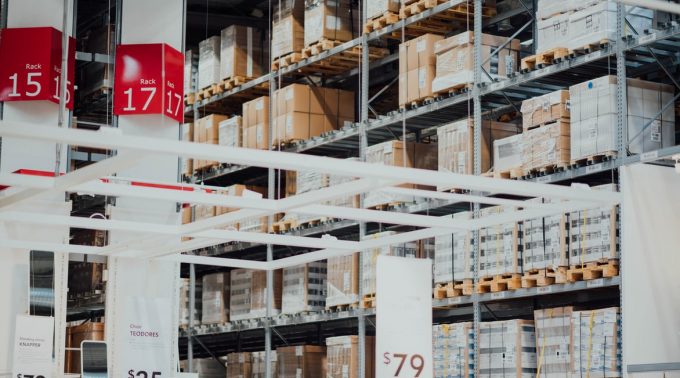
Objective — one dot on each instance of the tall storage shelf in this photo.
(625, 56)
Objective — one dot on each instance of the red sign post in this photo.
(149, 80)
(30, 65)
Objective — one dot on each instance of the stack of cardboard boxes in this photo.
(453, 255)
(370, 259)
(453, 350)
(206, 130)
(304, 288)
(209, 62)
(258, 293)
(288, 22)
(184, 303)
(342, 357)
(190, 71)
(376, 8)
(334, 20)
(302, 361)
(239, 365)
(553, 341)
(255, 123)
(507, 349)
(546, 141)
(417, 68)
(215, 298)
(343, 281)
(259, 365)
(499, 246)
(229, 132)
(545, 241)
(186, 164)
(593, 233)
(241, 52)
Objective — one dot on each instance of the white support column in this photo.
(37, 155)
(148, 21)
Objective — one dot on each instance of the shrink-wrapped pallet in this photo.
(208, 62)
(288, 36)
(545, 109)
(593, 233)
(595, 337)
(258, 292)
(370, 258)
(455, 60)
(343, 280)
(546, 147)
(241, 52)
(507, 349)
(453, 254)
(215, 298)
(240, 293)
(499, 246)
(417, 155)
(184, 303)
(239, 365)
(259, 363)
(545, 241)
(302, 361)
(453, 350)
(416, 68)
(334, 20)
(455, 143)
(507, 155)
(553, 341)
(230, 132)
(376, 8)
(342, 357)
(304, 288)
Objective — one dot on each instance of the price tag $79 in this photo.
(416, 362)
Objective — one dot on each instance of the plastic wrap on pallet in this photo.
(302, 361)
(453, 350)
(370, 258)
(230, 132)
(376, 8)
(288, 36)
(546, 146)
(184, 302)
(215, 300)
(304, 288)
(418, 155)
(259, 364)
(334, 20)
(507, 153)
(239, 294)
(544, 241)
(342, 357)
(507, 349)
(453, 255)
(241, 52)
(545, 109)
(208, 62)
(258, 292)
(593, 233)
(239, 365)
(455, 145)
(595, 337)
(553, 341)
(208, 368)
(343, 280)
(189, 73)
(499, 246)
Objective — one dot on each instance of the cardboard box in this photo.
(453, 350)
(241, 52)
(288, 36)
(206, 130)
(208, 368)
(302, 361)
(259, 363)
(545, 109)
(507, 154)
(456, 144)
(416, 68)
(553, 32)
(595, 338)
(376, 8)
(553, 341)
(545, 241)
(240, 294)
(593, 233)
(239, 365)
(334, 20)
(342, 356)
(289, 8)
(209, 62)
(499, 246)
(546, 146)
(508, 347)
(258, 291)
(316, 100)
(304, 288)
(184, 302)
(229, 132)
(453, 254)
(343, 280)
(370, 259)
(256, 112)
(215, 298)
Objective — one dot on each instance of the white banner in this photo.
(33, 344)
(404, 317)
(147, 346)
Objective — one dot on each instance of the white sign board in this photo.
(33, 344)
(404, 317)
(148, 336)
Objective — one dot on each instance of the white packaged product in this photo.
(553, 341)
(593, 233)
(507, 154)
(453, 255)
(595, 335)
(215, 298)
(230, 132)
(545, 241)
(499, 246)
(239, 301)
(507, 349)
(453, 350)
(208, 62)
(304, 288)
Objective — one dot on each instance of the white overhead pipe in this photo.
(654, 4)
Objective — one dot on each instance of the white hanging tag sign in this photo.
(33, 344)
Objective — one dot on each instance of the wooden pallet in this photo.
(208, 92)
(377, 23)
(511, 174)
(546, 169)
(594, 159)
(387, 206)
(593, 270)
(416, 103)
(499, 282)
(545, 58)
(544, 277)
(462, 11)
(587, 49)
(284, 226)
(189, 99)
(453, 289)
(199, 172)
(454, 90)
(286, 60)
(343, 307)
(319, 47)
(368, 301)
(236, 81)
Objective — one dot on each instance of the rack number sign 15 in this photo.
(30, 65)
(149, 79)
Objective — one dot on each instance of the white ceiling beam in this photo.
(52, 247)
(217, 261)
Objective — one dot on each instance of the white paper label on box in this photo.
(499, 295)
(259, 104)
(594, 168)
(388, 148)
(647, 156)
(299, 351)
(289, 94)
(289, 124)
(345, 281)
(33, 342)
(544, 290)
(259, 134)
(420, 46)
(656, 131)
(298, 373)
(422, 77)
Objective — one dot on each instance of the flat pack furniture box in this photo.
(499, 246)
(343, 281)
(370, 259)
(229, 132)
(595, 336)
(455, 143)
(342, 357)
(184, 303)
(453, 255)
(259, 364)
(507, 349)
(453, 350)
(258, 292)
(239, 365)
(215, 298)
(255, 123)
(288, 36)
(302, 361)
(553, 341)
(240, 294)
(416, 155)
(376, 8)
(241, 52)
(507, 155)
(593, 234)
(454, 60)
(334, 20)
(545, 109)
(594, 114)
(206, 130)
(545, 241)
(546, 147)
(209, 62)
(304, 288)
(416, 68)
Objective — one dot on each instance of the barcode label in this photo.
(594, 168)
(544, 290)
(595, 283)
(499, 295)
(647, 156)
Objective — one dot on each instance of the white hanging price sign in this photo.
(148, 339)
(33, 344)
(404, 317)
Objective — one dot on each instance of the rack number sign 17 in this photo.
(404, 318)
(149, 79)
(30, 65)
